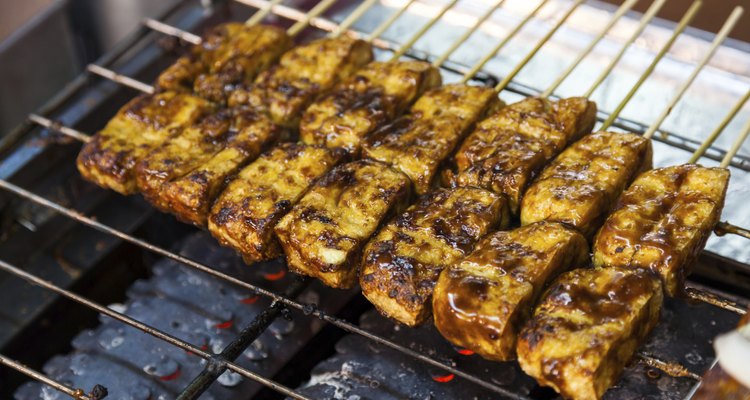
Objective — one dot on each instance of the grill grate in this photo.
(217, 364)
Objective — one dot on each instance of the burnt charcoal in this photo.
(361, 369)
(194, 307)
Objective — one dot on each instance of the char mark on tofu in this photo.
(141, 125)
(285, 90)
(359, 105)
(403, 261)
(587, 327)
(324, 233)
(230, 55)
(246, 212)
(507, 149)
(662, 222)
(580, 187)
(186, 173)
(419, 142)
(483, 302)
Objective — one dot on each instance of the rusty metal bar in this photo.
(338, 322)
(5, 266)
(77, 394)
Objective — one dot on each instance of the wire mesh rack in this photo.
(314, 19)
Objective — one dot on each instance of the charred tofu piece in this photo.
(662, 222)
(143, 124)
(417, 143)
(587, 327)
(507, 149)
(324, 233)
(303, 73)
(230, 54)
(185, 174)
(244, 215)
(580, 187)
(403, 261)
(373, 96)
(482, 302)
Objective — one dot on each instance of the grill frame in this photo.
(218, 363)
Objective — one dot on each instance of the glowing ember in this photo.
(443, 378)
(275, 276)
(225, 325)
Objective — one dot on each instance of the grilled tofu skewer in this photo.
(580, 186)
(482, 302)
(185, 175)
(327, 256)
(507, 160)
(587, 327)
(231, 54)
(664, 219)
(418, 142)
(147, 122)
(245, 215)
(374, 96)
(402, 263)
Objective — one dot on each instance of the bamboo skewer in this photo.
(716, 132)
(426, 27)
(511, 75)
(484, 60)
(686, 19)
(624, 8)
(647, 17)
(440, 60)
(718, 40)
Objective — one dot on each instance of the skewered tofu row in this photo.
(181, 165)
(229, 55)
(148, 123)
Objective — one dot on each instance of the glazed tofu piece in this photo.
(418, 142)
(285, 90)
(403, 261)
(662, 222)
(324, 233)
(244, 215)
(230, 54)
(483, 301)
(359, 105)
(587, 327)
(507, 149)
(185, 174)
(143, 124)
(580, 187)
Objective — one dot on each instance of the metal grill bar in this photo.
(307, 308)
(78, 394)
(148, 329)
(170, 30)
(233, 350)
(121, 79)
